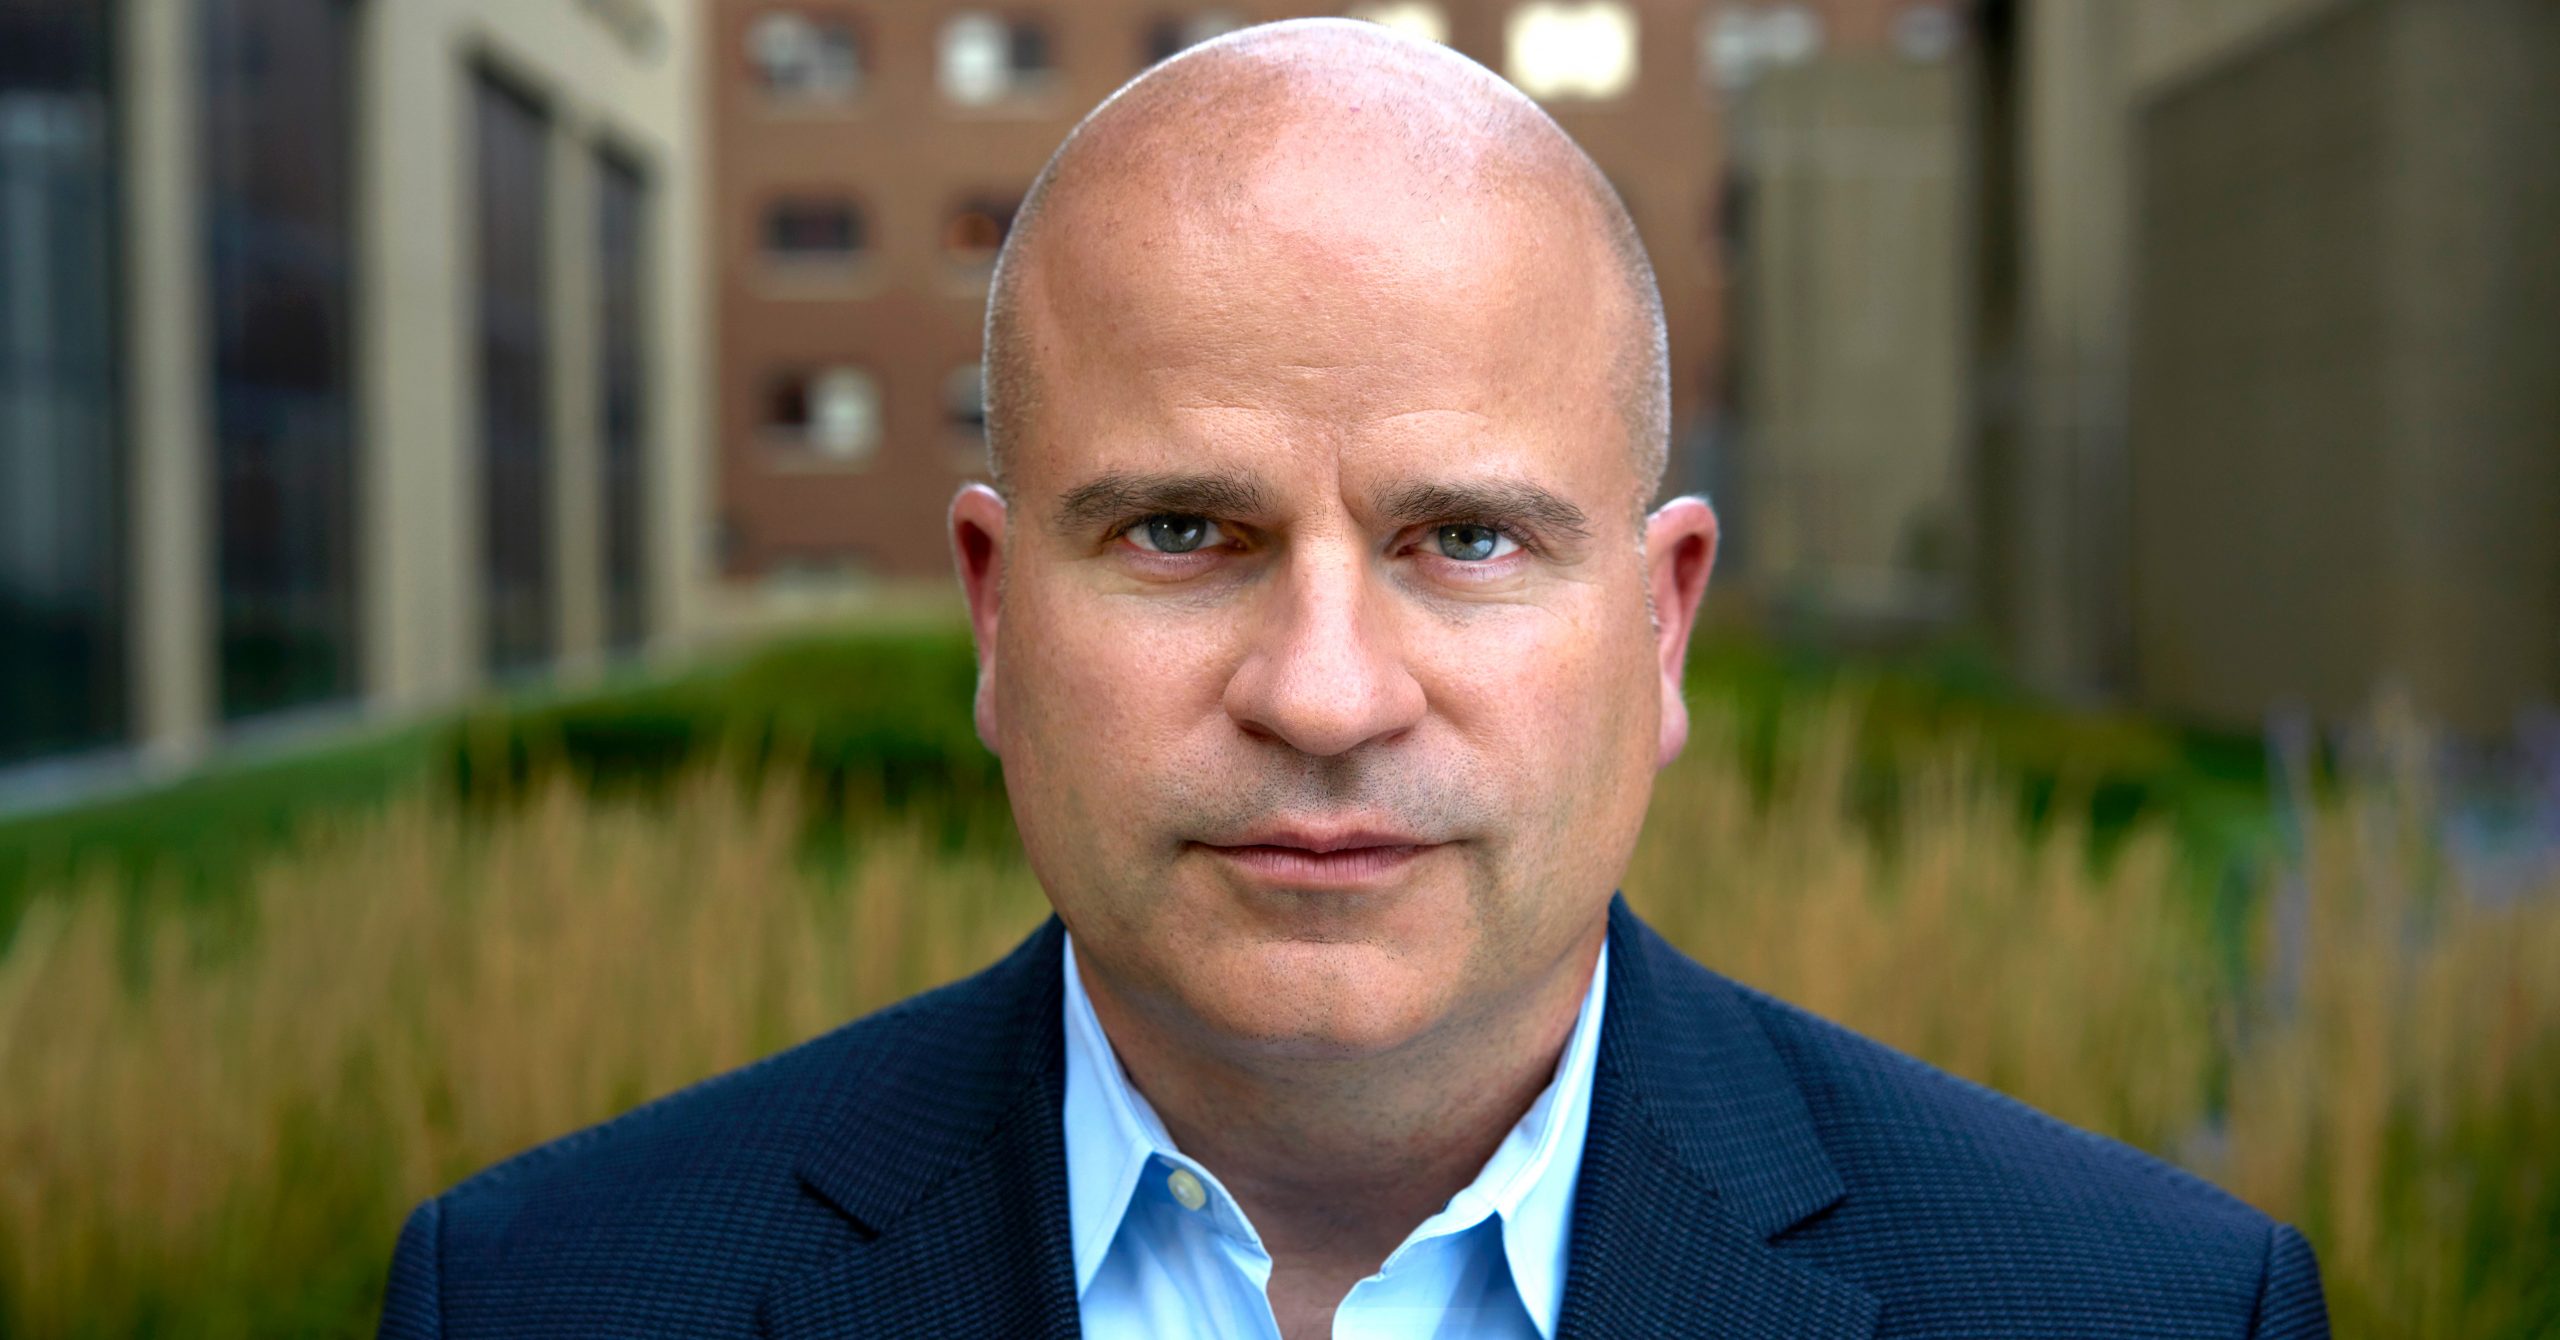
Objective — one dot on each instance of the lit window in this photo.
(1738, 44)
(800, 58)
(1426, 21)
(976, 230)
(832, 412)
(1167, 36)
(1558, 50)
(819, 229)
(984, 58)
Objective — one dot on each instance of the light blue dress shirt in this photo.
(1162, 1250)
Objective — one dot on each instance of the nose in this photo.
(1325, 672)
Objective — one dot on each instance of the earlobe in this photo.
(977, 524)
(1680, 553)
(1675, 725)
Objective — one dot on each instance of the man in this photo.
(1330, 655)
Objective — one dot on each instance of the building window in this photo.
(1740, 43)
(1568, 49)
(976, 229)
(61, 533)
(279, 192)
(823, 230)
(1169, 35)
(799, 58)
(831, 413)
(987, 58)
(623, 329)
(1413, 17)
(515, 378)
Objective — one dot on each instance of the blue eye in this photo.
(1174, 533)
(1468, 542)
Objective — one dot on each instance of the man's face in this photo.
(1323, 676)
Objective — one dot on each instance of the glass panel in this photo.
(975, 231)
(515, 363)
(798, 57)
(808, 228)
(983, 58)
(279, 276)
(61, 587)
(1583, 49)
(622, 205)
(833, 413)
(973, 56)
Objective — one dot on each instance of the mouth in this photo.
(1341, 860)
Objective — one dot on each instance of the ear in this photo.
(977, 524)
(1680, 550)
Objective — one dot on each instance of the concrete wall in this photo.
(609, 72)
(2346, 383)
(2281, 409)
(422, 578)
(2261, 481)
(2053, 484)
(1849, 336)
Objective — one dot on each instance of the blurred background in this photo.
(477, 648)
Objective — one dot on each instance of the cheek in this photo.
(1556, 700)
(1566, 727)
(1092, 711)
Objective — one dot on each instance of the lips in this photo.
(1303, 857)
(1327, 840)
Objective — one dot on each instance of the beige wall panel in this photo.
(421, 514)
(2472, 296)
(1852, 333)
(2262, 482)
(171, 647)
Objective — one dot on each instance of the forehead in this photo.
(1316, 293)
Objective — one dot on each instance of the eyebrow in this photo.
(1503, 502)
(1117, 497)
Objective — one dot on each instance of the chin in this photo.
(1320, 998)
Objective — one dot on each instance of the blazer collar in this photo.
(945, 1152)
(1700, 1150)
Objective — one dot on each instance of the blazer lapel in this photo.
(949, 1160)
(1700, 1151)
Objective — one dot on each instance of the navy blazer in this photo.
(1750, 1170)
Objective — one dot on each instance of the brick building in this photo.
(867, 156)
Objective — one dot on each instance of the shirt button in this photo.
(1187, 1189)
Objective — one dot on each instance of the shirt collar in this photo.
(1112, 1134)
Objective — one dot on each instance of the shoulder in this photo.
(1967, 1211)
(676, 1215)
(1894, 1118)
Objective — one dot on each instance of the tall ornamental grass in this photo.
(211, 1122)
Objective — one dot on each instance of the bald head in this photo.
(1410, 162)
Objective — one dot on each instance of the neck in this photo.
(1335, 1160)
